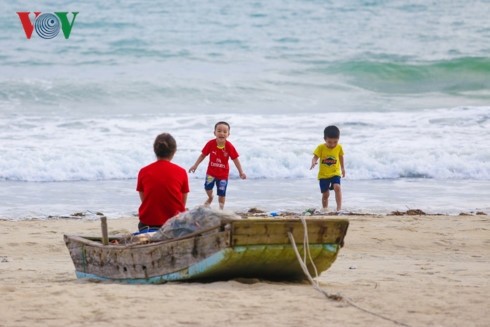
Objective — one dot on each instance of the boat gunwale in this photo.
(91, 240)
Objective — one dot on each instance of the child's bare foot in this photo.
(221, 200)
(208, 202)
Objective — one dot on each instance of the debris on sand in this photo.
(472, 213)
(415, 212)
(255, 210)
(409, 212)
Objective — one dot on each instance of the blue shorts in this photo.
(221, 185)
(327, 183)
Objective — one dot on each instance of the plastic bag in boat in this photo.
(192, 221)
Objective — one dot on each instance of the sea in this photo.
(407, 82)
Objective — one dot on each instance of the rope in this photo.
(316, 285)
(313, 282)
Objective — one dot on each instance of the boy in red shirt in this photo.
(220, 150)
(162, 185)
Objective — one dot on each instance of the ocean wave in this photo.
(316, 86)
(437, 144)
(455, 76)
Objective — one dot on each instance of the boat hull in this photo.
(247, 249)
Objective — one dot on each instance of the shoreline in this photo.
(117, 199)
(419, 270)
(260, 213)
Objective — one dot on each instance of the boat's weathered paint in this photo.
(250, 248)
(243, 261)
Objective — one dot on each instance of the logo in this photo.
(329, 161)
(217, 164)
(222, 185)
(47, 25)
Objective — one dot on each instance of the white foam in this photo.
(440, 144)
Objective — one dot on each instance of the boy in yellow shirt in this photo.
(331, 157)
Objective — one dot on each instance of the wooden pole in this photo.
(105, 235)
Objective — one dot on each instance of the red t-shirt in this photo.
(218, 160)
(163, 184)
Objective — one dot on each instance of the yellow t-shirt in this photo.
(329, 160)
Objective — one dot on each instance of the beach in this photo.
(417, 270)
(406, 82)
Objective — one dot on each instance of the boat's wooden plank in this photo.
(97, 240)
(277, 262)
(272, 231)
(144, 261)
(285, 219)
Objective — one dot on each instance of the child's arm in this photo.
(184, 199)
(341, 158)
(142, 196)
(314, 161)
(198, 161)
(239, 167)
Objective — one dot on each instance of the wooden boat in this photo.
(248, 248)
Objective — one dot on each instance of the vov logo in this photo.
(47, 25)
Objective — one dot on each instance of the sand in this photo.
(419, 270)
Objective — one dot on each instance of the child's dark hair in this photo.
(164, 146)
(331, 132)
(222, 123)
